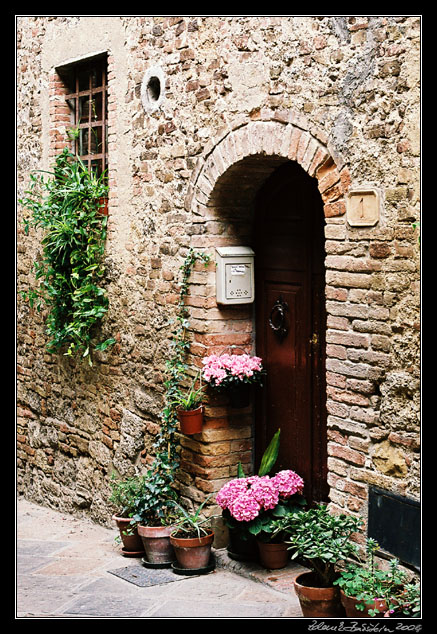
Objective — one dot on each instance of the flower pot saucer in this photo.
(194, 571)
(151, 564)
(132, 553)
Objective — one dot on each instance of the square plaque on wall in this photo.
(363, 207)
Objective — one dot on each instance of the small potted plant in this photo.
(189, 408)
(367, 590)
(233, 374)
(192, 539)
(321, 540)
(123, 496)
(154, 514)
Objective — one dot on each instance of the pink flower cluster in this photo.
(218, 368)
(246, 497)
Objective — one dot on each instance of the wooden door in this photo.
(291, 324)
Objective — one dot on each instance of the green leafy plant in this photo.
(191, 398)
(124, 494)
(270, 455)
(192, 524)
(321, 540)
(367, 583)
(154, 503)
(66, 206)
(408, 602)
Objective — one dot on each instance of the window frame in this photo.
(75, 96)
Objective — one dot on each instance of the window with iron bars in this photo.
(87, 97)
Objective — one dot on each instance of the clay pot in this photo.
(132, 544)
(273, 556)
(191, 420)
(103, 206)
(193, 552)
(156, 542)
(349, 604)
(315, 601)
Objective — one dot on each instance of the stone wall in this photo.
(339, 95)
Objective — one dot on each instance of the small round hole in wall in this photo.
(152, 89)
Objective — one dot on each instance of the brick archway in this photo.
(287, 140)
(219, 199)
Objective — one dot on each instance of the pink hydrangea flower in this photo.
(244, 507)
(264, 491)
(245, 498)
(288, 483)
(230, 491)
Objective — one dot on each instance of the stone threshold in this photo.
(280, 580)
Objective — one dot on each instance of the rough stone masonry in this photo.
(340, 95)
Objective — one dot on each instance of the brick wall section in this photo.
(60, 116)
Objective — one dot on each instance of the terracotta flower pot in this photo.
(349, 604)
(103, 206)
(194, 552)
(132, 543)
(156, 542)
(191, 420)
(273, 556)
(315, 601)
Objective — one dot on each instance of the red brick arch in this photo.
(284, 139)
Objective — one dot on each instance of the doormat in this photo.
(144, 577)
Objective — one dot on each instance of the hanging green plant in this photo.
(66, 205)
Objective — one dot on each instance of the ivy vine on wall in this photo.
(157, 486)
(66, 206)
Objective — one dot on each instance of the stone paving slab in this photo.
(176, 609)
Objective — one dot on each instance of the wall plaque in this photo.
(363, 206)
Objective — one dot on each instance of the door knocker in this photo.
(277, 318)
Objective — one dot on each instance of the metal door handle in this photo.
(277, 318)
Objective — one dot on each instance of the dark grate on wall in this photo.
(395, 523)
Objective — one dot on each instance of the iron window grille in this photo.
(88, 102)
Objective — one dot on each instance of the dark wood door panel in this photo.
(289, 248)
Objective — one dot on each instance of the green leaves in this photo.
(322, 539)
(191, 524)
(270, 455)
(365, 580)
(66, 206)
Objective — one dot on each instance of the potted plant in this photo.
(408, 601)
(367, 590)
(123, 496)
(321, 540)
(154, 514)
(233, 374)
(189, 408)
(251, 505)
(192, 539)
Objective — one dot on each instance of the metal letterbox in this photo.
(235, 278)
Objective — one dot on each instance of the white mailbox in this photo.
(235, 278)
